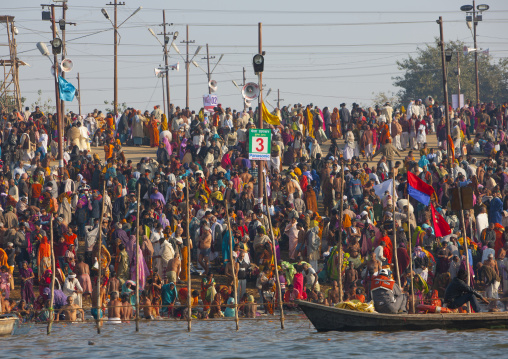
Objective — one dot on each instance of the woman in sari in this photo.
(27, 276)
(154, 132)
(335, 128)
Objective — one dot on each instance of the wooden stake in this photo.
(99, 257)
(394, 229)
(235, 286)
(341, 229)
(281, 300)
(137, 261)
(189, 286)
(53, 274)
(410, 257)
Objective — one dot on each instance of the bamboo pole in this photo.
(53, 274)
(281, 308)
(235, 286)
(394, 228)
(464, 237)
(99, 240)
(189, 285)
(137, 260)
(341, 229)
(410, 257)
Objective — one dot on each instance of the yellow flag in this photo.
(268, 117)
(310, 117)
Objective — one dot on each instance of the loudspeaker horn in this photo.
(247, 102)
(467, 50)
(175, 66)
(66, 65)
(250, 91)
(213, 85)
(158, 72)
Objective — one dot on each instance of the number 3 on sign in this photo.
(260, 144)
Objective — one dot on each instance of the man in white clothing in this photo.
(72, 288)
(379, 253)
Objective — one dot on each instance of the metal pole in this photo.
(115, 55)
(187, 69)
(167, 66)
(394, 229)
(279, 291)
(189, 286)
(163, 97)
(341, 229)
(235, 286)
(260, 101)
(57, 100)
(136, 248)
(208, 66)
(445, 86)
(278, 99)
(53, 269)
(79, 96)
(99, 257)
(476, 55)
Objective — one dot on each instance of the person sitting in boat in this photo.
(387, 295)
(459, 293)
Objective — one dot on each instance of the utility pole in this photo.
(244, 104)
(115, 55)
(64, 7)
(11, 68)
(475, 55)
(260, 111)
(166, 40)
(79, 96)
(187, 68)
(279, 99)
(445, 84)
(209, 74)
(458, 77)
(57, 96)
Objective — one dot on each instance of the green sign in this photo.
(260, 144)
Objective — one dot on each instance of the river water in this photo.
(255, 339)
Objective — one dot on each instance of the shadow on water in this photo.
(253, 340)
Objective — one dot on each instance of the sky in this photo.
(325, 52)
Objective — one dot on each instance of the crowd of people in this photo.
(201, 167)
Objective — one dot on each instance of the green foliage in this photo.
(423, 75)
(382, 97)
(122, 106)
(46, 106)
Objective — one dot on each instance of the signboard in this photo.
(455, 101)
(209, 102)
(260, 144)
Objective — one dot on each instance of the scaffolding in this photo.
(10, 97)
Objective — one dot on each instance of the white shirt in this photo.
(379, 254)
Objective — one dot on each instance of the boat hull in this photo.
(8, 326)
(326, 318)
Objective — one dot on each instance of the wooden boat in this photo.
(11, 325)
(326, 318)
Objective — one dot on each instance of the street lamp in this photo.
(448, 55)
(115, 56)
(473, 15)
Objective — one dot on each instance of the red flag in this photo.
(441, 227)
(452, 147)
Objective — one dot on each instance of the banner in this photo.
(455, 101)
(209, 102)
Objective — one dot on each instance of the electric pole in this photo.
(187, 68)
(208, 58)
(62, 28)
(475, 55)
(279, 99)
(260, 111)
(445, 83)
(57, 95)
(115, 55)
(244, 104)
(79, 96)
(458, 77)
(166, 40)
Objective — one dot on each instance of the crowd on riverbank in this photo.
(202, 159)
